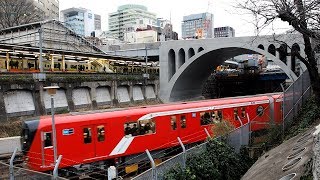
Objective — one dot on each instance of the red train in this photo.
(104, 137)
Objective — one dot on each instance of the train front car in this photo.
(28, 133)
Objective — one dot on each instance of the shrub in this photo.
(219, 161)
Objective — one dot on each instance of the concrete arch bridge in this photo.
(186, 64)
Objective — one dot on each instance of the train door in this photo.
(88, 141)
(47, 148)
(240, 115)
(182, 125)
(101, 140)
(174, 127)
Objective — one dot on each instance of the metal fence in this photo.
(22, 174)
(236, 139)
(294, 97)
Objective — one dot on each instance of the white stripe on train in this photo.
(183, 111)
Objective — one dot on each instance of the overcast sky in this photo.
(224, 12)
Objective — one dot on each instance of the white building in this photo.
(128, 18)
(197, 26)
(80, 20)
(145, 36)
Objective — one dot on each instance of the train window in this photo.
(141, 128)
(260, 111)
(173, 122)
(217, 115)
(206, 118)
(183, 121)
(101, 132)
(147, 127)
(87, 135)
(235, 113)
(243, 112)
(47, 139)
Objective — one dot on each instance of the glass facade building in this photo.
(129, 16)
(80, 20)
(197, 26)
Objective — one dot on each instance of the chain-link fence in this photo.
(23, 174)
(294, 97)
(236, 139)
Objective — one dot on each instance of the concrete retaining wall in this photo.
(31, 99)
(8, 145)
(151, 92)
(18, 101)
(137, 93)
(123, 94)
(316, 156)
(103, 95)
(60, 99)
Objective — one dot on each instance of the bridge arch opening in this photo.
(191, 53)
(200, 49)
(283, 52)
(189, 80)
(261, 46)
(171, 63)
(182, 57)
(272, 49)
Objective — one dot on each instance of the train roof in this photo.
(143, 110)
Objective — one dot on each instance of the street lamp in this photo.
(52, 91)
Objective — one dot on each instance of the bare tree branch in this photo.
(17, 12)
(303, 16)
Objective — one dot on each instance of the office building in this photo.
(197, 26)
(226, 31)
(50, 8)
(129, 17)
(83, 21)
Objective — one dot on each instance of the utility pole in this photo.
(40, 48)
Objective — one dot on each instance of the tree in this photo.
(303, 16)
(17, 12)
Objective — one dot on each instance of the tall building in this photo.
(49, 7)
(197, 26)
(83, 21)
(226, 31)
(97, 22)
(128, 18)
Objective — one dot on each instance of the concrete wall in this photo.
(8, 145)
(32, 100)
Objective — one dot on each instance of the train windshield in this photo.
(29, 129)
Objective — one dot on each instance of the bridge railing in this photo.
(294, 97)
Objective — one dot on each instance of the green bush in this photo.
(219, 161)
